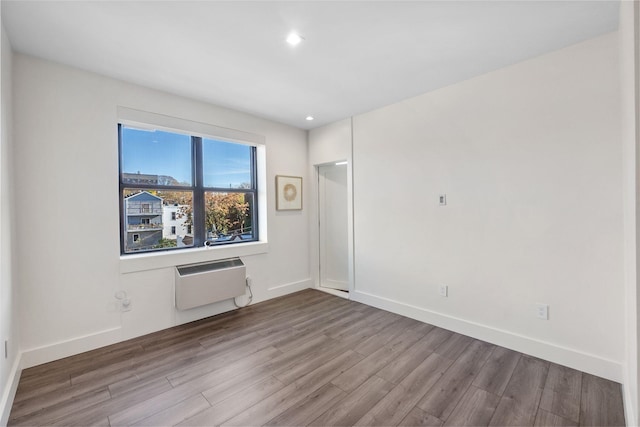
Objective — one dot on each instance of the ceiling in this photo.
(357, 55)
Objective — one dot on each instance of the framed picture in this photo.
(288, 193)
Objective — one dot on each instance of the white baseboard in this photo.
(288, 288)
(9, 392)
(59, 350)
(575, 359)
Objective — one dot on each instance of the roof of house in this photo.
(143, 195)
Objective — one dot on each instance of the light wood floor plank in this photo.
(59, 396)
(234, 404)
(447, 392)
(562, 392)
(367, 320)
(397, 369)
(318, 402)
(58, 381)
(58, 411)
(453, 346)
(373, 343)
(354, 377)
(176, 413)
(93, 414)
(496, 373)
(355, 404)
(396, 405)
(279, 402)
(547, 419)
(601, 403)
(254, 359)
(518, 405)
(181, 392)
(417, 417)
(312, 360)
(326, 319)
(475, 409)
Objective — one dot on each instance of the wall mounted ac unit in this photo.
(209, 282)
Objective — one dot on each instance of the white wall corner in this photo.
(627, 400)
(628, 46)
(289, 288)
(62, 349)
(572, 358)
(9, 392)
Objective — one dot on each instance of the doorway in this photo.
(333, 227)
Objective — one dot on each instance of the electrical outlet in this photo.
(124, 302)
(542, 311)
(443, 290)
(442, 200)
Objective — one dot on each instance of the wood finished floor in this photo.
(311, 359)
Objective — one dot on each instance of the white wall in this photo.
(330, 143)
(9, 367)
(530, 159)
(628, 91)
(66, 173)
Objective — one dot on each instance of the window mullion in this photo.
(199, 232)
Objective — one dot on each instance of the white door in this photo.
(333, 217)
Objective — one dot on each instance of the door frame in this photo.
(350, 230)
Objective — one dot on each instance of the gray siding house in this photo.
(143, 221)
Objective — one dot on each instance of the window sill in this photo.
(154, 261)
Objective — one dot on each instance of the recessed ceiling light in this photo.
(309, 118)
(293, 39)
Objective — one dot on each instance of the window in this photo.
(207, 186)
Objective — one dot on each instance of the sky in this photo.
(157, 152)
